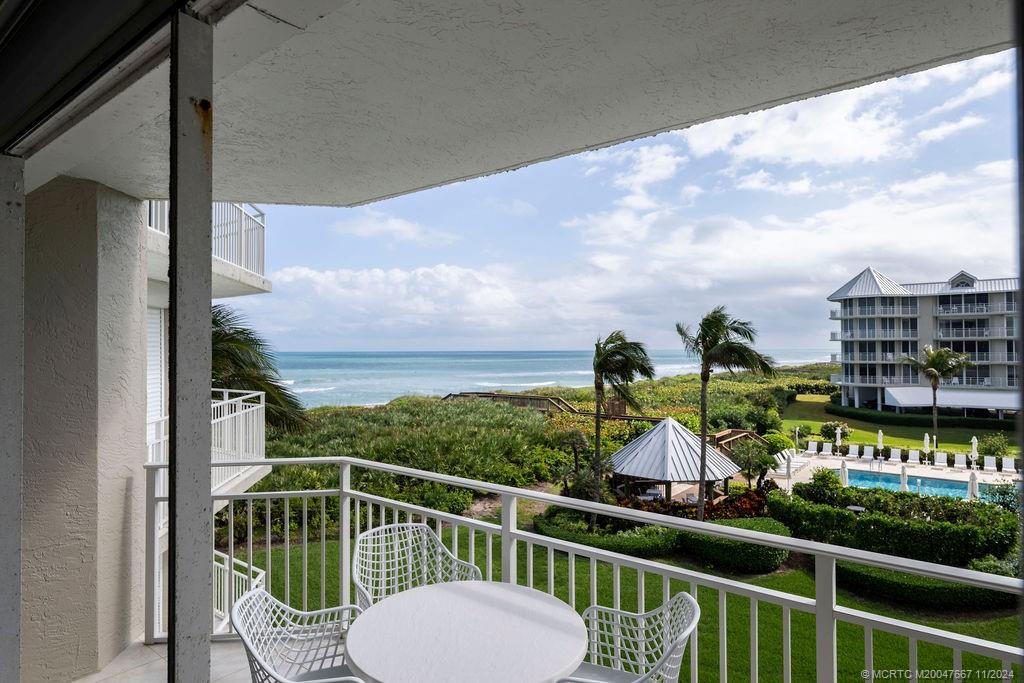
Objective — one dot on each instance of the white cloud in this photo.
(763, 180)
(947, 128)
(689, 193)
(987, 85)
(515, 207)
(376, 224)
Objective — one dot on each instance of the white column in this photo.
(85, 441)
(191, 194)
(824, 618)
(12, 373)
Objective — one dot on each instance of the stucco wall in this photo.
(84, 428)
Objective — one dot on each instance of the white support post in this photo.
(12, 383)
(509, 523)
(345, 486)
(825, 618)
(191, 195)
(153, 564)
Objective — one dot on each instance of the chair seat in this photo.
(593, 672)
(340, 671)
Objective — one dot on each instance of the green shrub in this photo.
(994, 444)
(738, 556)
(636, 540)
(1006, 496)
(882, 417)
(918, 591)
(828, 429)
(777, 442)
(1009, 566)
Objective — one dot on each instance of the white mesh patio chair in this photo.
(960, 461)
(1008, 465)
(826, 448)
(914, 458)
(625, 647)
(284, 645)
(869, 452)
(941, 459)
(990, 463)
(397, 557)
(854, 451)
(812, 447)
(896, 455)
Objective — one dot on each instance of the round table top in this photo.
(468, 631)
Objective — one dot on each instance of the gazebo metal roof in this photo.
(670, 452)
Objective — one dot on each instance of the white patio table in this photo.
(467, 632)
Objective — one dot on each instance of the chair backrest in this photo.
(812, 446)
(990, 462)
(869, 451)
(826, 448)
(941, 459)
(895, 454)
(1008, 464)
(650, 645)
(397, 557)
(855, 450)
(960, 460)
(914, 456)
(282, 643)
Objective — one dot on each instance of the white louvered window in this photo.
(156, 364)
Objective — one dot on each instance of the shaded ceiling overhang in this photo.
(984, 399)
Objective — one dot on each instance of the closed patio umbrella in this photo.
(972, 486)
(927, 443)
(880, 444)
(903, 479)
(839, 437)
(844, 476)
(974, 450)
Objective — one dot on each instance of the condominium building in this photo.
(882, 322)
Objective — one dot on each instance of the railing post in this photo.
(825, 618)
(509, 523)
(345, 531)
(152, 555)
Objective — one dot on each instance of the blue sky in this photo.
(767, 213)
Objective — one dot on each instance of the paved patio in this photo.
(141, 663)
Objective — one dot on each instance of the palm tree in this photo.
(720, 341)
(242, 360)
(937, 365)
(617, 362)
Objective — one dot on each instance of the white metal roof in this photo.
(670, 452)
(869, 282)
(921, 397)
(999, 284)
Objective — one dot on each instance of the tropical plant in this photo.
(829, 430)
(753, 459)
(719, 342)
(937, 365)
(994, 444)
(576, 441)
(242, 360)
(617, 362)
(778, 442)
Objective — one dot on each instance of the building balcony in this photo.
(850, 380)
(291, 524)
(239, 247)
(976, 309)
(975, 333)
(897, 380)
(991, 357)
(978, 383)
(873, 311)
(845, 335)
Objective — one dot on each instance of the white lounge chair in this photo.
(812, 447)
(895, 455)
(1009, 467)
(941, 459)
(284, 644)
(914, 458)
(397, 557)
(869, 452)
(854, 451)
(959, 461)
(628, 648)
(990, 463)
(826, 448)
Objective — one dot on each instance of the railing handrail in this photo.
(892, 562)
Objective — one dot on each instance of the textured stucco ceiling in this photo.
(344, 103)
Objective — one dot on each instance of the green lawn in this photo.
(810, 410)
(889, 651)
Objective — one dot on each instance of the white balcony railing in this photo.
(874, 334)
(239, 232)
(976, 382)
(870, 312)
(975, 309)
(573, 572)
(899, 379)
(975, 333)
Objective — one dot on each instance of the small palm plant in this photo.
(720, 342)
(937, 365)
(242, 360)
(754, 461)
(617, 362)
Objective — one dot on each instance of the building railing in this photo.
(869, 312)
(899, 379)
(974, 309)
(239, 232)
(975, 333)
(976, 382)
(500, 550)
(874, 334)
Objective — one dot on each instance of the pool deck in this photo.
(859, 464)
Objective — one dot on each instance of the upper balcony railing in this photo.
(979, 382)
(811, 632)
(976, 309)
(877, 333)
(975, 333)
(239, 232)
(872, 311)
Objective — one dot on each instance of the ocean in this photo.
(357, 378)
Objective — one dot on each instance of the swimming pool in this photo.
(926, 486)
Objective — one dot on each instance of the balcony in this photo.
(900, 380)
(877, 333)
(975, 333)
(798, 634)
(976, 309)
(978, 383)
(873, 311)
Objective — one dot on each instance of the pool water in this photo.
(926, 486)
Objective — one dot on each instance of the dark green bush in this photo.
(777, 441)
(636, 540)
(913, 420)
(738, 556)
(918, 591)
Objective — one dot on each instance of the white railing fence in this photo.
(301, 540)
(239, 232)
(237, 422)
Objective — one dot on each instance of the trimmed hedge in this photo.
(919, 591)
(640, 541)
(931, 540)
(913, 420)
(738, 556)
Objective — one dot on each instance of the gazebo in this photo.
(670, 453)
